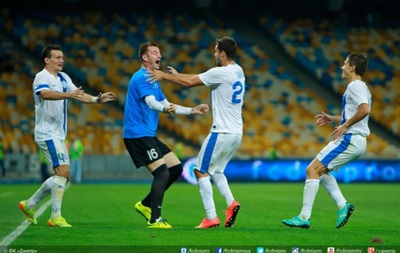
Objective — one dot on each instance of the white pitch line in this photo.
(21, 228)
(6, 241)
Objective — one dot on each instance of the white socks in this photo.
(330, 184)
(42, 192)
(222, 184)
(206, 194)
(57, 193)
(310, 191)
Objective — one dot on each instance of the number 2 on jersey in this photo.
(237, 92)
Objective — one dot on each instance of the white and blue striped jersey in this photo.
(357, 93)
(227, 93)
(51, 115)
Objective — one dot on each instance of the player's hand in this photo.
(323, 118)
(170, 109)
(200, 109)
(154, 75)
(77, 94)
(339, 131)
(106, 97)
(172, 71)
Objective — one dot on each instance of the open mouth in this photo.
(157, 64)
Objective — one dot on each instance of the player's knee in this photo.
(161, 171)
(176, 169)
(62, 171)
(200, 174)
(314, 172)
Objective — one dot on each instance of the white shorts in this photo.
(55, 152)
(339, 153)
(216, 151)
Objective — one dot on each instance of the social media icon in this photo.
(260, 250)
(295, 250)
(331, 250)
(218, 250)
(183, 250)
(371, 250)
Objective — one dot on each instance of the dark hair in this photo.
(46, 52)
(228, 45)
(359, 61)
(144, 47)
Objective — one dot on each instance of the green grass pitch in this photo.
(104, 219)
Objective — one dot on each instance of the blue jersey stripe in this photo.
(208, 153)
(65, 84)
(343, 110)
(344, 144)
(41, 86)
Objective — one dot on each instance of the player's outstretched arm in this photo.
(77, 94)
(187, 80)
(106, 97)
(200, 109)
(178, 109)
(101, 98)
(324, 118)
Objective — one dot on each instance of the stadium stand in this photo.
(321, 47)
(101, 50)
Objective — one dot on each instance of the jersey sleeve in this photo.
(144, 87)
(213, 76)
(40, 83)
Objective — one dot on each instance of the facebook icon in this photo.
(218, 250)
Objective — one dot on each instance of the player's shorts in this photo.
(216, 151)
(145, 150)
(339, 153)
(55, 152)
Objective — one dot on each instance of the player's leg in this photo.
(28, 206)
(206, 193)
(224, 150)
(351, 147)
(60, 161)
(161, 175)
(333, 156)
(314, 169)
(345, 209)
(174, 172)
(331, 186)
(174, 166)
(138, 156)
(145, 152)
(203, 181)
